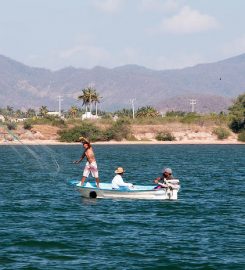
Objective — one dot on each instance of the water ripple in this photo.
(45, 224)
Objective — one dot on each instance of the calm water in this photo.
(45, 224)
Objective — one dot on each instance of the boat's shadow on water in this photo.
(88, 201)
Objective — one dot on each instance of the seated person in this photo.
(161, 181)
(117, 181)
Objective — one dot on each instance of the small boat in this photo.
(89, 190)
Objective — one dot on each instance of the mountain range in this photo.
(212, 85)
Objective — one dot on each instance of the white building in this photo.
(115, 117)
(2, 118)
(20, 119)
(89, 115)
(53, 113)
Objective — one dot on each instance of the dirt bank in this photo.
(144, 134)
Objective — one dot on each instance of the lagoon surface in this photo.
(45, 224)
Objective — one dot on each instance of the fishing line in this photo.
(29, 150)
(52, 154)
(13, 148)
(41, 161)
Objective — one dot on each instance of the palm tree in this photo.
(147, 111)
(90, 92)
(19, 113)
(89, 96)
(10, 110)
(30, 113)
(124, 112)
(43, 111)
(85, 98)
(96, 99)
(73, 111)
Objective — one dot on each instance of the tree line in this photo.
(89, 97)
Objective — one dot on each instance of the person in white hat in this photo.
(117, 181)
(166, 175)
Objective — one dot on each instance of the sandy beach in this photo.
(185, 142)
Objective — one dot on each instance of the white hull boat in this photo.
(89, 190)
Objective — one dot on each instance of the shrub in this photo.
(27, 125)
(11, 125)
(55, 121)
(118, 131)
(124, 113)
(237, 114)
(241, 136)
(175, 114)
(165, 136)
(147, 111)
(221, 133)
(86, 130)
(237, 124)
(149, 120)
(48, 120)
(190, 118)
(106, 116)
(132, 138)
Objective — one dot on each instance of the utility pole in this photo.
(132, 100)
(60, 99)
(193, 102)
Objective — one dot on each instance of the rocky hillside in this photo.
(213, 85)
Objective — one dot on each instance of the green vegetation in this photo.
(30, 113)
(11, 125)
(117, 131)
(27, 125)
(147, 112)
(117, 125)
(165, 136)
(241, 136)
(143, 116)
(87, 130)
(221, 133)
(48, 120)
(237, 114)
(175, 114)
(43, 111)
(73, 112)
(191, 118)
(124, 113)
(89, 97)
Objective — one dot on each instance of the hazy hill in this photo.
(213, 85)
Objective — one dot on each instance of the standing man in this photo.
(91, 165)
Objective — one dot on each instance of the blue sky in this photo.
(158, 34)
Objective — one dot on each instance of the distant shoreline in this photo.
(193, 142)
(184, 134)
